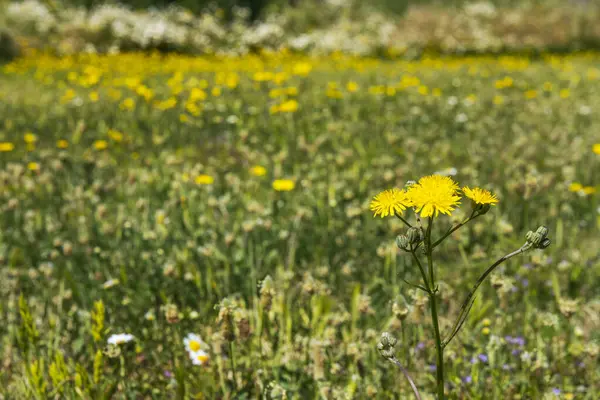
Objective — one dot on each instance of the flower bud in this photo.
(481, 209)
(386, 345)
(403, 242)
(538, 239)
(414, 235)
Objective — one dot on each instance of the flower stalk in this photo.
(430, 197)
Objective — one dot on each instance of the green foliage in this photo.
(9, 48)
(130, 205)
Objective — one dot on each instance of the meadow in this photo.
(162, 195)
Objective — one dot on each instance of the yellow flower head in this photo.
(6, 146)
(115, 135)
(283, 185)
(575, 187)
(596, 148)
(30, 138)
(204, 179)
(258, 170)
(480, 196)
(100, 144)
(62, 144)
(33, 166)
(587, 190)
(434, 194)
(389, 202)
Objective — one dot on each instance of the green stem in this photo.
(423, 274)
(434, 314)
(454, 229)
(439, 349)
(403, 220)
(232, 358)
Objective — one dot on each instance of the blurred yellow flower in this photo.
(302, 68)
(564, 93)
(30, 138)
(352, 86)
(100, 144)
(33, 166)
(286, 106)
(6, 147)
(115, 135)
(204, 179)
(575, 187)
(389, 202)
(127, 104)
(596, 148)
(62, 144)
(283, 185)
(485, 331)
(587, 190)
(434, 194)
(531, 94)
(480, 196)
(258, 170)
(94, 96)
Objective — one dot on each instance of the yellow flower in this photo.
(434, 194)
(575, 187)
(94, 96)
(596, 148)
(485, 331)
(587, 190)
(352, 86)
(480, 196)
(62, 144)
(258, 170)
(531, 94)
(33, 166)
(100, 144)
(127, 104)
(389, 202)
(204, 180)
(283, 185)
(115, 135)
(29, 138)
(564, 93)
(6, 146)
(286, 106)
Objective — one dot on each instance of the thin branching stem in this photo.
(434, 314)
(454, 229)
(423, 274)
(395, 361)
(416, 286)
(403, 220)
(466, 306)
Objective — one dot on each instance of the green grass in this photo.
(80, 216)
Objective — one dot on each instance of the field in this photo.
(163, 195)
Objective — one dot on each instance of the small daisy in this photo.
(199, 357)
(120, 338)
(194, 343)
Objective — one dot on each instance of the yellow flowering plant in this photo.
(430, 198)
